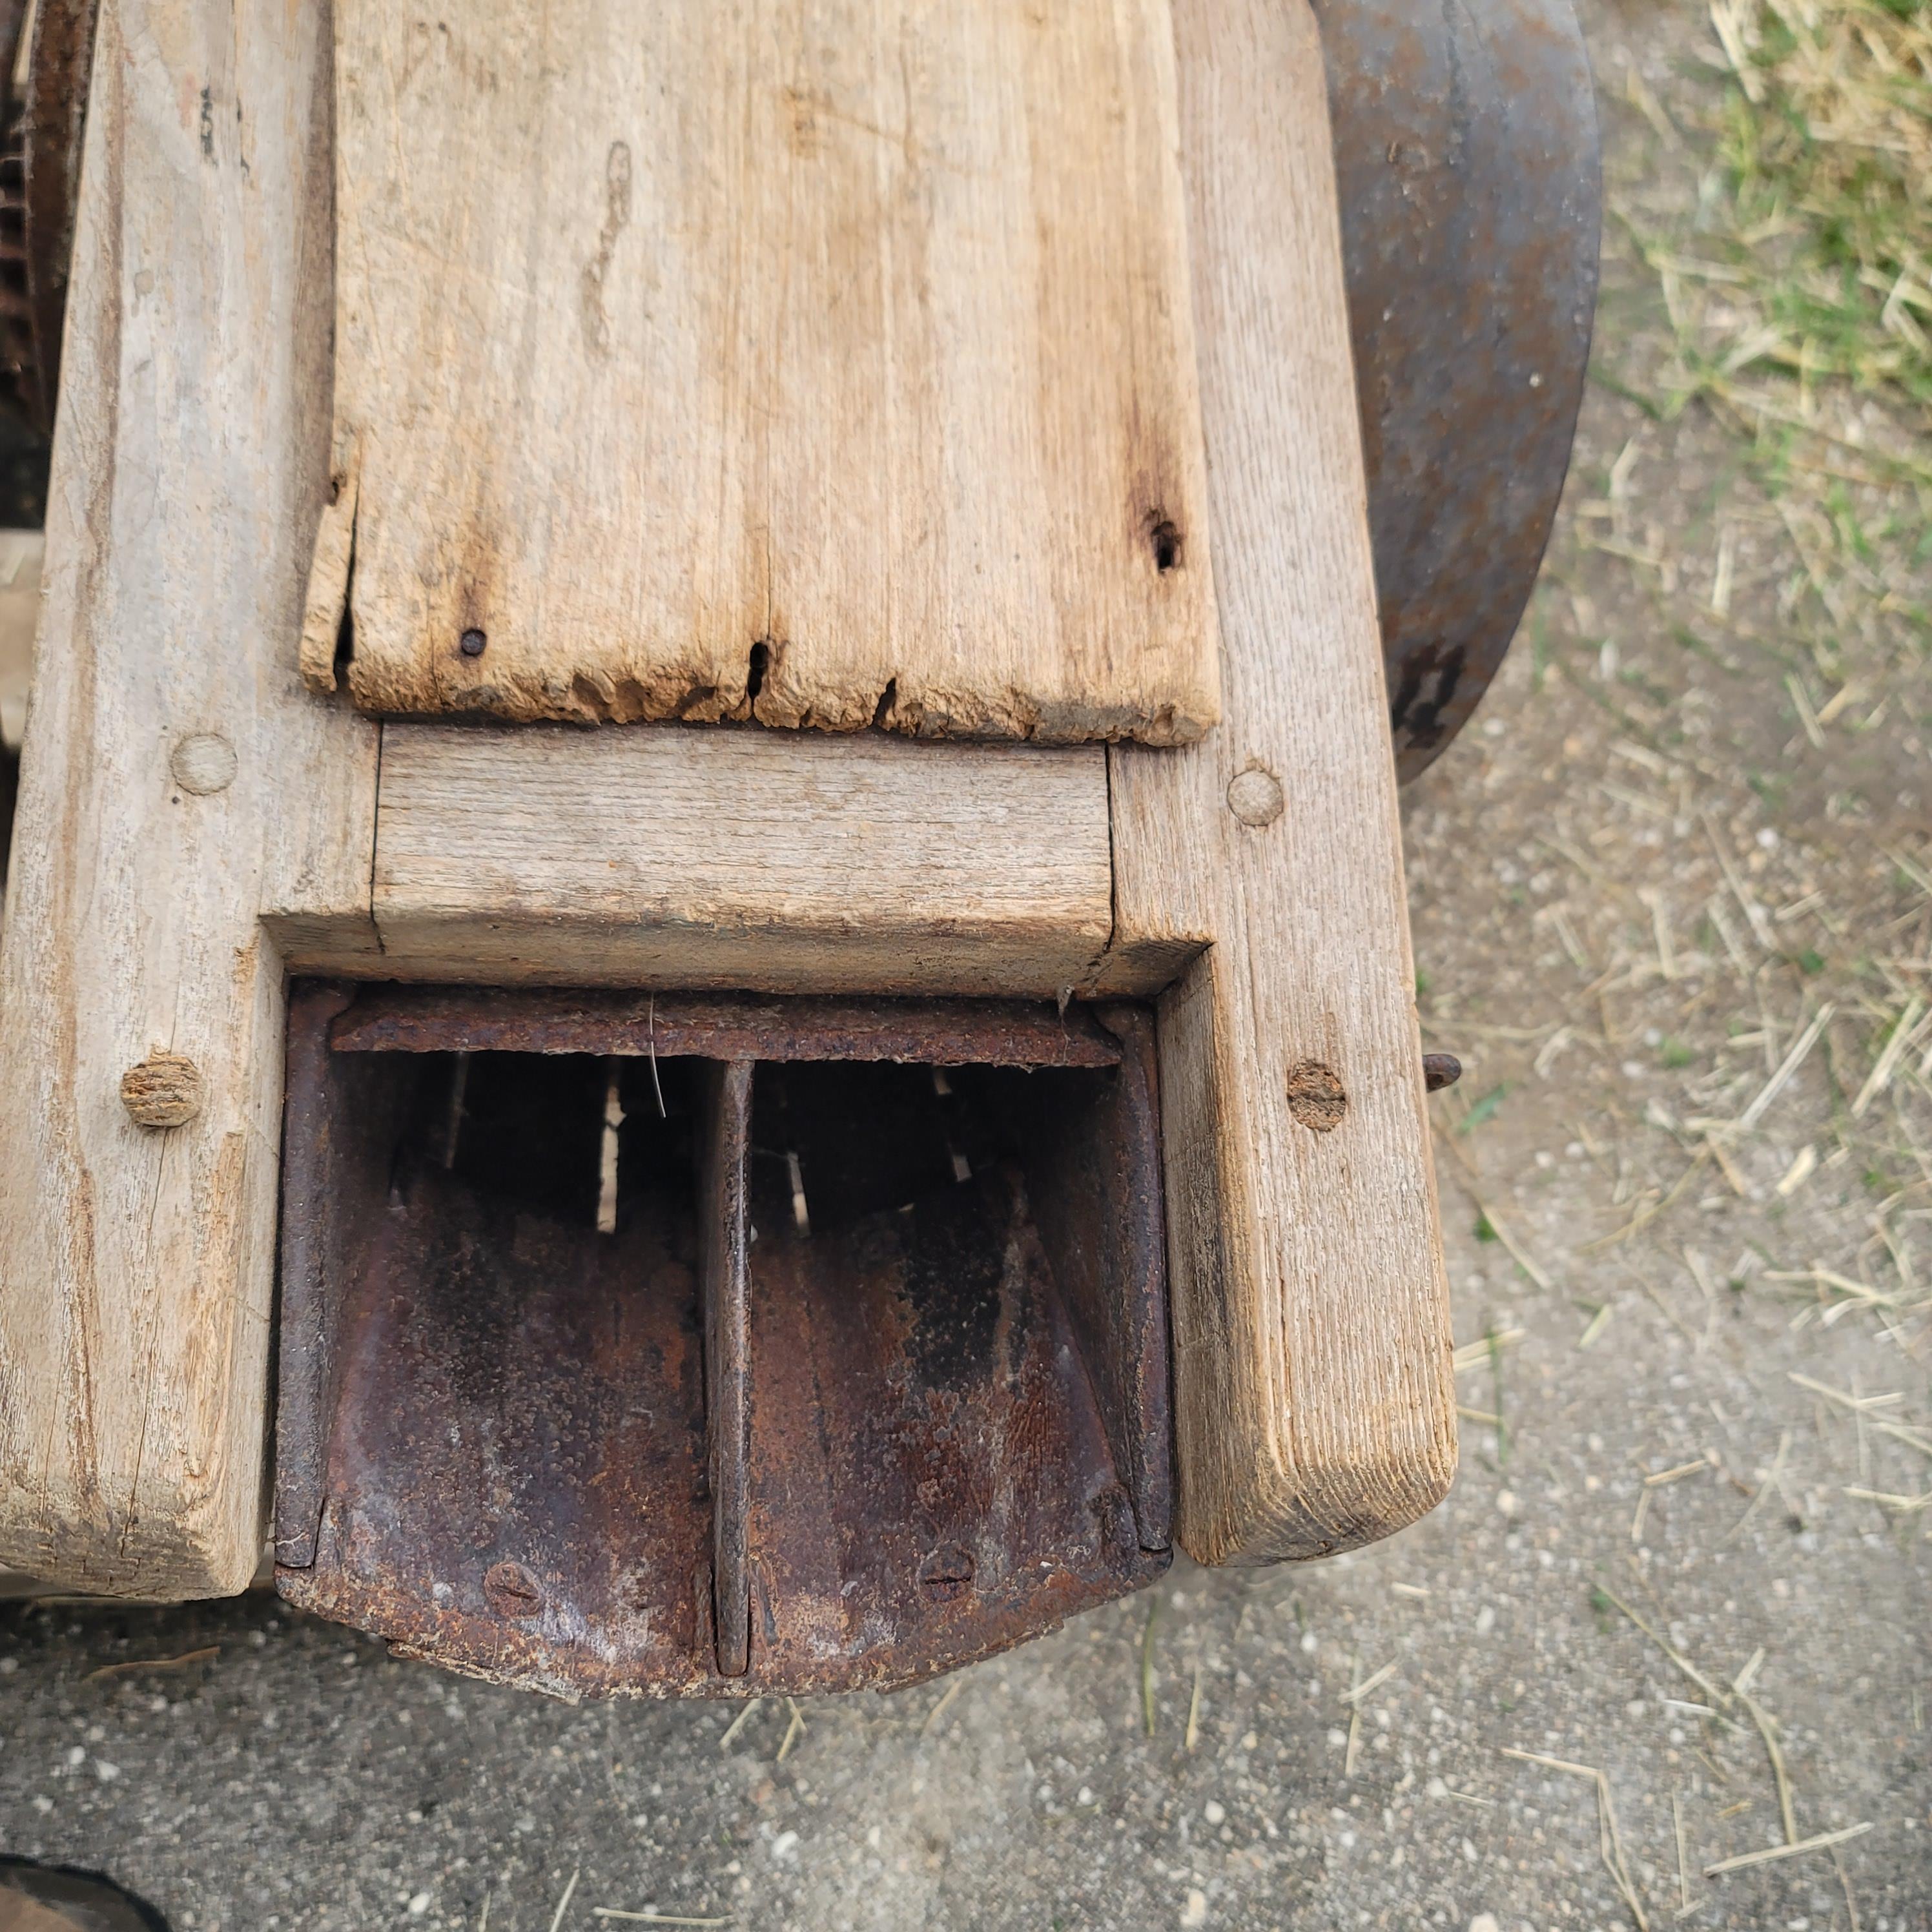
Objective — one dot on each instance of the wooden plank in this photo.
(828, 362)
(177, 778)
(1312, 1388)
(773, 862)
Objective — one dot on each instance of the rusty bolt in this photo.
(1316, 1096)
(163, 1091)
(511, 1590)
(947, 1571)
(1440, 1070)
(472, 643)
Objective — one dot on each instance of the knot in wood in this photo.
(1316, 1096)
(1254, 797)
(203, 763)
(164, 1091)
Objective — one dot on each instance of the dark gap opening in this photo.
(872, 1138)
(1166, 541)
(345, 630)
(528, 1129)
(761, 663)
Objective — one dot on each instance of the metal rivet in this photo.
(163, 1091)
(472, 643)
(1254, 797)
(203, 763)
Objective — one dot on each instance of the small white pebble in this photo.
(875, 1838)
(1506, 1501)
(418, 1905)
(784, 1844)
(107, 1773)
(1486, 1620)
(1338, 1739)
(1484, 1921)
(1767, 839)
(8, 1665)
(1195, 1911)
(1213, 1814)
(43, 1805)
(1251, 1741)
(1309, 1643)
(77, 1754)
(1086, 1796)
(1437, 1788)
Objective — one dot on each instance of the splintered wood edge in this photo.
(857, 619)
(329, 578)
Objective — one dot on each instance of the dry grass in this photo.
(1826, 141)
(1800, 293)
(1783, 989)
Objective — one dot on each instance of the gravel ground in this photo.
(1678, 1574)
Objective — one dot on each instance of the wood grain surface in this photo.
(137, 1265)
(825, 362)
(662, 856)
(1312, 1393)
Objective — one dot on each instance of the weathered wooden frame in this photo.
(193, 825)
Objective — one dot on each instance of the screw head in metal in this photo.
(472, 643)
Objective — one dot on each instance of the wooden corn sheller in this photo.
(964, 399)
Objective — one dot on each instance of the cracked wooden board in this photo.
(827, 364)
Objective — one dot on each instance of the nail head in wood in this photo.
(1254, 797)
(203, 763)
(1316, 1096)
(164, 1091)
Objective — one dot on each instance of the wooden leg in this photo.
(177, 781)
(1313, 1398)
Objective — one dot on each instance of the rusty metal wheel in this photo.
(1466, 156)
(61, 1898)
